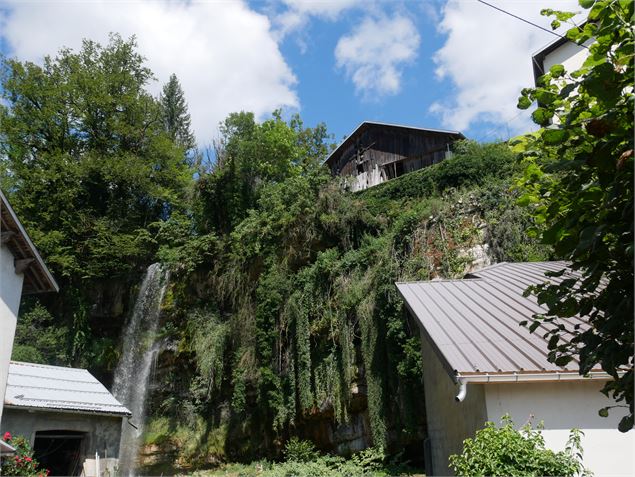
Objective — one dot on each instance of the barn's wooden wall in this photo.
(392, 150)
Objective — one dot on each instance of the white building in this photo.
(559, 52)
(480, 364)
(22, 271)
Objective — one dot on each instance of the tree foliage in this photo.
(175, 115)
(38, 339)
(89, 168)
(89, 163)
(251, 155)
(579, 183)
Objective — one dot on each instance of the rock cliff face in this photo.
(343, 438)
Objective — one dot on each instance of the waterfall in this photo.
(140, 349)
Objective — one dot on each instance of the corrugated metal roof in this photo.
(474, 323)
(56, 388)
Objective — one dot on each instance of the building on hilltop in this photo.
(377, 152)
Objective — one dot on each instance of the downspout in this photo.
(462, 391)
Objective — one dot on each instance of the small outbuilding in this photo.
(68, 416)
(481, 363)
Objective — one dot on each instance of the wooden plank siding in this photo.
(377, 152)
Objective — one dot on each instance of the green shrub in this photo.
(505, 451)
(297, 450)
(369, 460)
(472, 164)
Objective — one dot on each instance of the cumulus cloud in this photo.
(297, 13)
(225, 54)
(375, 53)
(487, 58)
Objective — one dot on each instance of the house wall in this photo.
(448, 422)
(102, 432)
(562, 406)
(569, 55)
(10, 292)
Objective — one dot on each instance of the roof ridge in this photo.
(378, 123)
(38, 365)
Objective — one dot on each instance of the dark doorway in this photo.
(59, 451)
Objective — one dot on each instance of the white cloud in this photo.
(224, 53)
(374, 54)
(297, 13)
(487, 57)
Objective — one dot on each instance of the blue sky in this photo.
(328, 95)
(447, 64)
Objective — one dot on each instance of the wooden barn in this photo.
(376, 152)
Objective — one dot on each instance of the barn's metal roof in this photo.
(38, 386)
(474, 323)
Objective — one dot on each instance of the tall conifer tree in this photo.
(176, 118)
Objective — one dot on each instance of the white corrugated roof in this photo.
(38, 386)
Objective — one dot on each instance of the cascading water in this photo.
(140, 349)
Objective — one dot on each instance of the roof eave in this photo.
(52, 285)
(547, 376)
(442, 359)
(90, 412)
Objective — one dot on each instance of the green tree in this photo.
(251, 155)
(175, 115)
(89, 168)
(579, 183)
(38, 339)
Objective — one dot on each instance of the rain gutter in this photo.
(463, 380)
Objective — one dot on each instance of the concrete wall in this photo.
(10, 293)
(449, 422)
(562, 406)
(103, 432)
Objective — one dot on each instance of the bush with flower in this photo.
(22, 462)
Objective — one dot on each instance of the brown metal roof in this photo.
(37, 277)
(474, 323)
